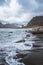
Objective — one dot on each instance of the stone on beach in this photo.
(37, 30)
(20, 41)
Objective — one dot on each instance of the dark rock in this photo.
(37, 45)
(25, 30)
(28, 35)
(28, 31)
(21, 55)
(27, 45)
(15, 57)
(9, 35)
(20, 60)
(10, 32)
(20, 41)
(3, 62)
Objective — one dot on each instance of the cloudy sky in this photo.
(20, 10)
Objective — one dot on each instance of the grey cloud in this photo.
(4, 2)
(39, 6)
(28, 5)
(40, 1)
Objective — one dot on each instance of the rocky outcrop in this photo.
(37, 30)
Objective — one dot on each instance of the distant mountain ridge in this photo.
(3, 24)
(8, 25)
(36, 21)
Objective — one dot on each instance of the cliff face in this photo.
(36, 21)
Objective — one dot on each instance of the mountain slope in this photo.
(36, 21)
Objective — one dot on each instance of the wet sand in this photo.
(34, 57)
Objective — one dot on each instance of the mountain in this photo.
(8, 25)
(36, 21)
(1, 25)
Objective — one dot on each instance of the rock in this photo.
(10, 32)
(28, 31)
(20, 41)
(9, 35)
(21, 55)
(36, 46)
(27, 35)
(15, 57)
(37, 30)
(27, 45)
(3, 62)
